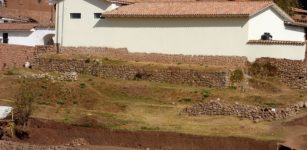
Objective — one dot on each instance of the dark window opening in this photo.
(75, 15)
(98, 16)
(5, 38)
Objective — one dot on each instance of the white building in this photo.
(22, 29)
(193, 28)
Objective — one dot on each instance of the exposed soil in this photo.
(297, 122)
(296, 133)
(43, 132)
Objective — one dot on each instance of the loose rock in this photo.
(254, 113)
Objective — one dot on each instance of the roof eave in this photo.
(174, 16)
(277, 9)
(283, 13)
(296, 24)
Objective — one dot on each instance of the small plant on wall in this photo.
(237, 76)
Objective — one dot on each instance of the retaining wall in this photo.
(15, 56)
(291, 72)
(173, 75)
(124, 54)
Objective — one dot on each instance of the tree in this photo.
(286, 5)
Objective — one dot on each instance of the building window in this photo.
(5, 38)
(98, 16)
(75, 15)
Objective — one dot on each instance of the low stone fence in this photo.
(15, 55)
(291, 72)
(124, 54)
(255, 113)
(6, 145)
(174, 75)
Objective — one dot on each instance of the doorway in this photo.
(5, 37)
(48, 39)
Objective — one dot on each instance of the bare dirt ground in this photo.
(43, 132)
(296, 133)
(8, 145)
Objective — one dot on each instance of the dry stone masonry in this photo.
(7, 145)
(124, 54)
(174, 75)
(67, 76)
(255, 113)
(291, 72)
(14, 56)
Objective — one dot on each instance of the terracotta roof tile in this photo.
(147, 1)
(299, 10)
(275, 42)
(42, 18)
(190, 9)
(17, 26)
(158, 1)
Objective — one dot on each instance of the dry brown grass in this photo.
(148, 65)
(143, 105)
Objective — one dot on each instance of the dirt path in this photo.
(43, 132)
(8, 145)
(296, 133)
(107, 148)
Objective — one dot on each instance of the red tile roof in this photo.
(299, 10)
(42, 18)
(275, 42)
(16, 26)
(147, 1)
(190, 9)
(158, 1)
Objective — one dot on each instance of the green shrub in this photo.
(82, 85)
(232, 87)
(88, 60)
(186, 100)
(20, 132)
(23, 106)
(270, 104)
(150, 128)
(43, 103)
(237, 76)
(206, 93)
(11, 72)
(263, 70)
(60, 102)
(263, 85)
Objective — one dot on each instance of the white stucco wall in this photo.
(192, 36)
(272, 22)
(292, 52)
(28, 38)
(164, 35)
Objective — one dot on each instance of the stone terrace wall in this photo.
(123, 54)
(291, 72)
(14, 55)
(134, 72)
(8, 145)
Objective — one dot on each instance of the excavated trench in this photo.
(43, 132)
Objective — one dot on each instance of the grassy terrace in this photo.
(149, 65)
(143, 105)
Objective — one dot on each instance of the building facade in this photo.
(142, 27)
(27, 23)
